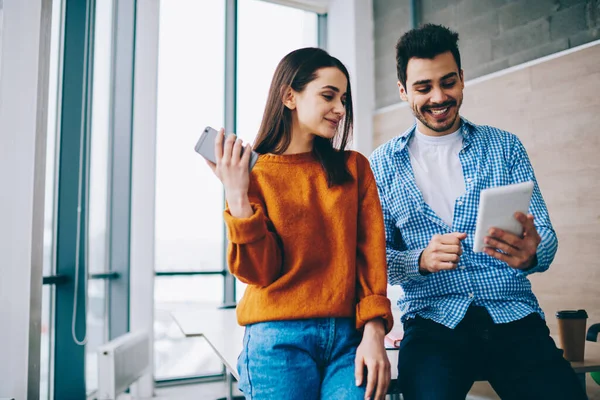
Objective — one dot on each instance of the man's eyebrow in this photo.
(450, 75)
(426, 81)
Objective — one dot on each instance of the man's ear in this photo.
(289, 98)
(402, 91)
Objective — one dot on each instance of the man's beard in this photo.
(421, 115)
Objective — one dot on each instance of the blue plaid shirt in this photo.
(490, 157)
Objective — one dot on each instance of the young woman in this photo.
(306, 234)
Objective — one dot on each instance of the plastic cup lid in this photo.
(571, 314)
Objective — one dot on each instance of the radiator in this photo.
(121, 362)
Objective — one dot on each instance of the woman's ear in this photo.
(289, 98)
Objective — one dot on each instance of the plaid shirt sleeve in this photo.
(403, 264)
(522, 171)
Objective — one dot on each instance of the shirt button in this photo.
(471, 295)
(460, 203)
(462, 267)
(469, 180)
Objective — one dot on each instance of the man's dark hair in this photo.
(427, 41)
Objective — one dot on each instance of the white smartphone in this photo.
(206, 146)
(497, 208)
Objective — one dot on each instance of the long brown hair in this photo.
(296, 70)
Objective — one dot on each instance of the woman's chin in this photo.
(326, 134)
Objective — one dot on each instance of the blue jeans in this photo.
(519, 359)
(300, 359)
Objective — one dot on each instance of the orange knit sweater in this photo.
(310, 251)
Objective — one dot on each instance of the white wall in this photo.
(350, 38)
(23, 118)
(143, 181)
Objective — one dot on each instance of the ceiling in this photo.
(318, 6)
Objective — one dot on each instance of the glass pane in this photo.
(96, 318)
(46, 343)
(240, 288)
(99, 152)
(175, 355)
(189, 198)
(254, 73)
(52, 135)
(96, 330)
(1, 28)
(47, 334)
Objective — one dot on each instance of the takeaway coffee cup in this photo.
(571, 332)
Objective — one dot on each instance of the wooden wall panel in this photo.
(554, 108)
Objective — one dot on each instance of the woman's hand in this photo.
(232, 170)
(371, 355)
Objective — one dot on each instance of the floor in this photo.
(205, 391)
(213, 391)
(216, 390)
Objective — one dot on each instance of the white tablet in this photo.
(497, 208)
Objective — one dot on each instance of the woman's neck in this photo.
(302, 142)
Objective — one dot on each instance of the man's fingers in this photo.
(459, 235)
(496, 244)
(500, 256)
(519, 216)
(526, 222)
(444, 266)
(371, 381)
(506, 237)
(453, 238)
(450, 249)
(359, 370)
(448, 257)
(529, 226)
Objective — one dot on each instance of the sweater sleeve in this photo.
(254, 250)
(371, 257)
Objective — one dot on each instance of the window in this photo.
(96, 317)
(176, 356)
(189, 230)
(1, 23)
(46, 343)
(254, 73)
(189, 199)
(78, 194)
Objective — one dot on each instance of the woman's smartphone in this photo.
(206, 147)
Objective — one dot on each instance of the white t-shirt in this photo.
(438, 172)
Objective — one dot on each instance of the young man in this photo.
(466, 315)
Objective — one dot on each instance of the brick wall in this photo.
(494, 34)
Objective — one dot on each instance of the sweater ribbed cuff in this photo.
(245, 230)
(374, 306)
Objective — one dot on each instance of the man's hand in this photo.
(517, 252)
(371, 355)
(442, 253)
